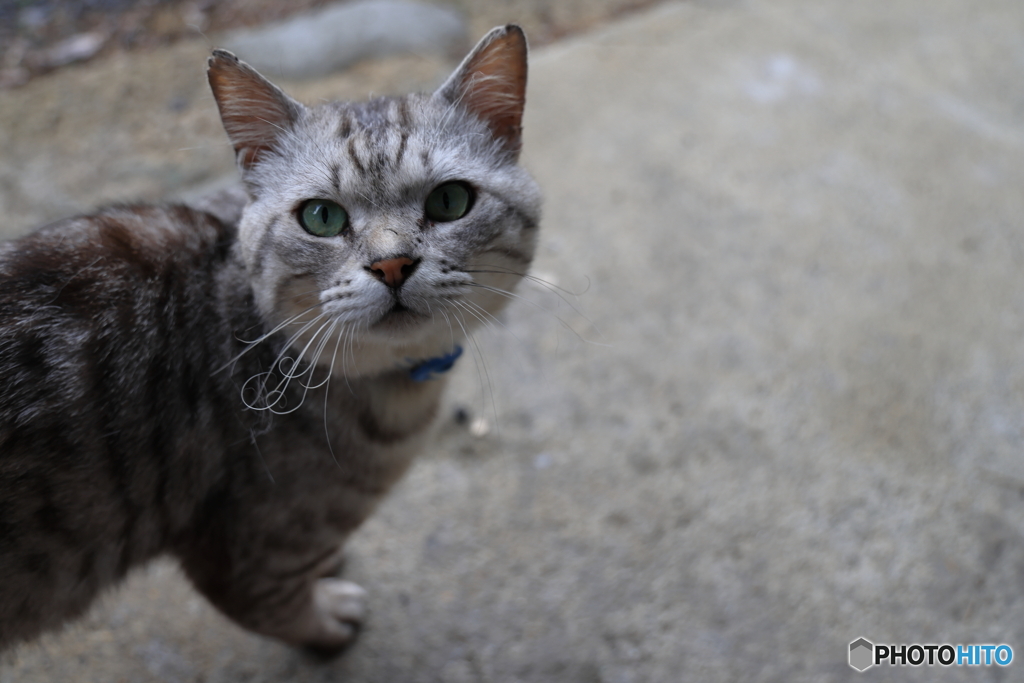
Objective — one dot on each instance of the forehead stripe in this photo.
(401, 147)
(355, 157)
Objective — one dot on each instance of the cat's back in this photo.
(88, 303)
(99, 251)
(99, 357)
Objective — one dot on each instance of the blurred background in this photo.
(765, 398)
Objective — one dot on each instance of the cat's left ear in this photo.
(253, 110)
(491, 84)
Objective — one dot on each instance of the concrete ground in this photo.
(784, 411)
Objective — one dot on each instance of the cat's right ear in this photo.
(491, 84)
(253, 110)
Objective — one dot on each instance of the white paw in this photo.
(341, 608)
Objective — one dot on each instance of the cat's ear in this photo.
(491, 83)
(253, 110)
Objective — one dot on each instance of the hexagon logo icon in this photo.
(862, 653)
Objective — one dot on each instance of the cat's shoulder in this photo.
(90, 264)
(141, 234)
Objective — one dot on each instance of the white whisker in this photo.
(327, 388)
(554, 289)
(486, 374)
(251, 344)
(282, 386)
(516, 297)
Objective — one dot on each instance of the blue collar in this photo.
(427, 369)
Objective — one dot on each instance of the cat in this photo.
(242, 395)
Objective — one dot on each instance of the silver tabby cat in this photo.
(241, 393)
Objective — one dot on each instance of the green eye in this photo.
(449, 202)
(323, 218)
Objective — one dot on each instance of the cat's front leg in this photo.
(327, 618)
(339, 607)
(300, 602)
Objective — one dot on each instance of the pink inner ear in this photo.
(494, 86)
(253, 110)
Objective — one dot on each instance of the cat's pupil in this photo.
(323, 214)
(447, 201)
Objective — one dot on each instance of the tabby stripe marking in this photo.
(355, 157)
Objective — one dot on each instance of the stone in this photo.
(339, 35)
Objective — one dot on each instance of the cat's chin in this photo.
(400, 321)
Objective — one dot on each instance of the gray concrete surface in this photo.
(342, 34)
(790, 415)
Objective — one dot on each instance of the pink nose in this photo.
(393, 271)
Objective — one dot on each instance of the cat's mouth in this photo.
(398, 315)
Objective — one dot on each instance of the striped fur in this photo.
(166, 373)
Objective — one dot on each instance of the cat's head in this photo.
(393, 226)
